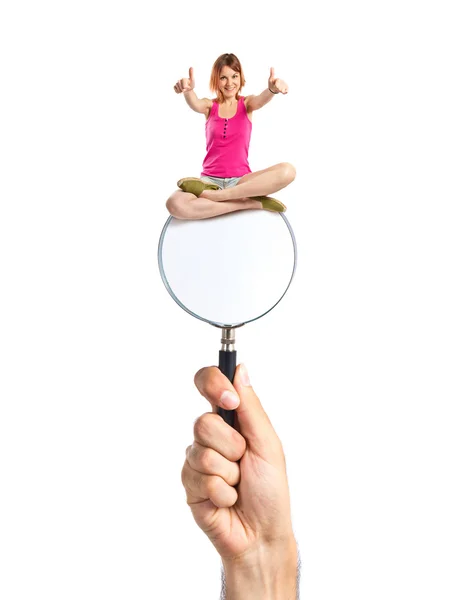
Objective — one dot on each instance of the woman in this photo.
(227, 184)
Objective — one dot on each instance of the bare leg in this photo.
(260, 183)
(183, 205)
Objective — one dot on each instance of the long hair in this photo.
(225, 60)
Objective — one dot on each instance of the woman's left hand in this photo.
(277, 85)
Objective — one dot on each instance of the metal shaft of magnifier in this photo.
(227, 364)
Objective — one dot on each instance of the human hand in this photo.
(235, 478)
(186, 84)
(277, 85)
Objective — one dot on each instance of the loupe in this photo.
(228, 271)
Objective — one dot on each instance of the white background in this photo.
(355, 366)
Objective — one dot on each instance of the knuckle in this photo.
(207, 459)
(212, 485)
(184, 474)
(201, 426)
(198, 428)
(198, 376)
(203, 376)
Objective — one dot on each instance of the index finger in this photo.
(216, 388)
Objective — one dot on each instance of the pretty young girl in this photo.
(227, 184)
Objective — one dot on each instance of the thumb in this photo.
(190, 73)
(254, 423)
(271, 75)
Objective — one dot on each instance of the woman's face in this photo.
(229, 82)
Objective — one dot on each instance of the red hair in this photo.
(225, 60)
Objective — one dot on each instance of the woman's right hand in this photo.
(185, 85)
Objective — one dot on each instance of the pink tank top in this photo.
(227, 143)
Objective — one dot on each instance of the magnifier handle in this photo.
(227, 365)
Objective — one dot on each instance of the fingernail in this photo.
(229, 400)
(244, 376)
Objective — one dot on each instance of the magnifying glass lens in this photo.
(231, 269)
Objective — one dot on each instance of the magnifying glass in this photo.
(228, 271)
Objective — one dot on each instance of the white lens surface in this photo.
(231, 269)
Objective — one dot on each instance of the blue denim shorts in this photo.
(222, 183)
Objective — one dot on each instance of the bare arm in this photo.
(256, 102)
(272, 573)
(186, 86)
(275, 86)
(199, 105)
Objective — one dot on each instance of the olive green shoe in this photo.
(195, 186)
(270, 203)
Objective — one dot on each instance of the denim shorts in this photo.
(222, 183)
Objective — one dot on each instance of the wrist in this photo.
(269, 572)
(272, 91)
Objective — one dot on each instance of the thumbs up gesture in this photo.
(186, 84)
(277, 85)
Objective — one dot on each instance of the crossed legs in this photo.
(212, 203)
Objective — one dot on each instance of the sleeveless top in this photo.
(227, 143)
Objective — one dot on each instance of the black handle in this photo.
(227, 365)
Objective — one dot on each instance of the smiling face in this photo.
(229, 83)
(227, 78)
